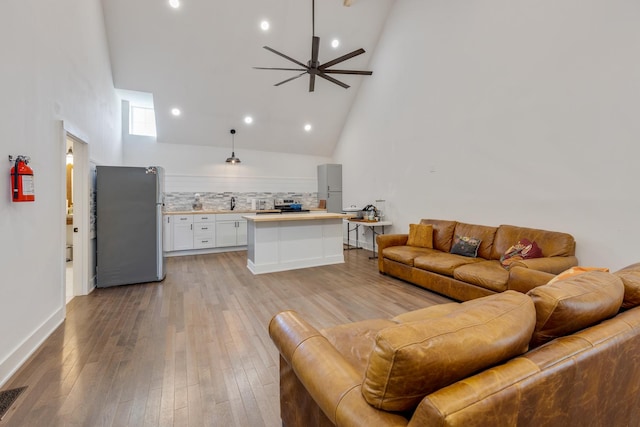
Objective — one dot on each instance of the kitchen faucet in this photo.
(233, 203)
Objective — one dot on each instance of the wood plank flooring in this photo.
(193, 350)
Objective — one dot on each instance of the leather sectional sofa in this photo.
(565, 353)
(433, 266)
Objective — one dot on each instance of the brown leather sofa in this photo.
(464, 278)
(563, 354)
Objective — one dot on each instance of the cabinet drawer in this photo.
(183, 219)
(203, 218)
(204, 242)
(230, 217)
(204, 229)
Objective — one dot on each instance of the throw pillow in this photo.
(420, 235)
(574, 271)
(465, 246)
(524, 249)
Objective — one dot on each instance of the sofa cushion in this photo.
(431, 312)
(356, 340)
(552, 243)
(484, 233)
(406, 254)
(630, 276)
(442, 233)
(568, 305)
(465, 246)
(486, 274)
(420, 235)
(441, 262)
(414, 359)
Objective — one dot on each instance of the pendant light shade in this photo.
(233, 159)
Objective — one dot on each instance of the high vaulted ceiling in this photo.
(200, 58)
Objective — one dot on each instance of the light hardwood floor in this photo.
(193, 350)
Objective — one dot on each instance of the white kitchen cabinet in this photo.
(330, 186)
(231, 230)
(182, 229)
(167, 233)
(204, 231)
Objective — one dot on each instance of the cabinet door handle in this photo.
(191, 226)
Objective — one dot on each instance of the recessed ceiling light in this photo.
(174, 3)
(176, 111)
(264, 25)
(335, 43)
(248, 120)
(307, 127)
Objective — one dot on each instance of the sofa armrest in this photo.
(554, 265)
(388, 240)
(523, 279)
(491, 397)
(328, 377)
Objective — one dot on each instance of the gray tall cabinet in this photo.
(330, 186)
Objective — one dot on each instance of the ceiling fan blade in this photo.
(292, 78)
(285, 56)
(332, 80)
(362, 73)
(312, 82)
(341, 59)
(315, 49)
(276, 68)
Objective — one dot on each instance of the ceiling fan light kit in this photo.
(233, 159)
(313, 66)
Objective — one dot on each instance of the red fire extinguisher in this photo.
(22, 189)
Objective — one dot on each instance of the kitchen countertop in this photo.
(303, 216)
(235, 211)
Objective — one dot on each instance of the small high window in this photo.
(142, 121)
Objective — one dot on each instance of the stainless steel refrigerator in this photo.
(129, 203)
(330, 186)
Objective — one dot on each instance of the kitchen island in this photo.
(279, 242)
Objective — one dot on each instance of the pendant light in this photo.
(233, 159)
(69, 156)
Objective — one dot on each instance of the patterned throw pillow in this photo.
(524, 249)
(575, 271)
(465, 246)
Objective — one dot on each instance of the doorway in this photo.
(76, 193)
(69, 293)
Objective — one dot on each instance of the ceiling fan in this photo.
(313, 67)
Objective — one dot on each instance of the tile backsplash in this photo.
(183, 201)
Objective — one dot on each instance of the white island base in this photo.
(279, 242)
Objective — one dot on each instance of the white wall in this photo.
(497, 112)
(55, 68)
(201, 169)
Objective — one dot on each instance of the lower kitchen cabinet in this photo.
(204, 231)
(167, 234)
(182, 232)
(231, 230)
(191, 232)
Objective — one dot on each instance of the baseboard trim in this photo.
(16, 359)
